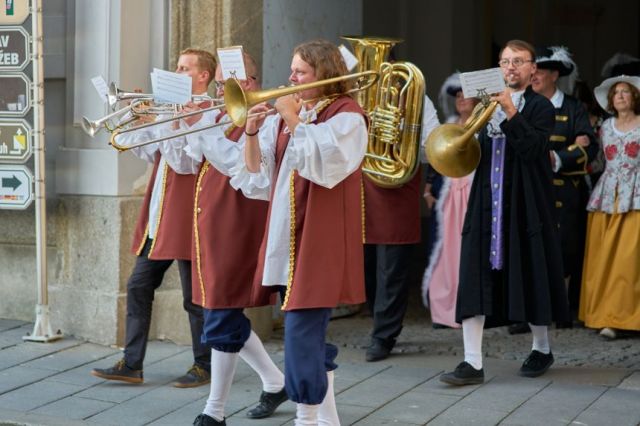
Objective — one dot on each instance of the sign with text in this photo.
(15, 141)
(15, 95)
(14, 12)
(16, 187)
(14, 49)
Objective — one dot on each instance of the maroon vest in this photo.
(327, 257)
(392, 215)
(173, 237)
(228, 229)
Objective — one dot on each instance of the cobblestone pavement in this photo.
(574, 347)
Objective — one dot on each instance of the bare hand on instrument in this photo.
(505, 101)
(255, 122)
(193, 119)
(289, 107)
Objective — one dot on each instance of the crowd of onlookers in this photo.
(597, 187)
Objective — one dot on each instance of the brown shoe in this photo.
(120, 372)
(196, 376)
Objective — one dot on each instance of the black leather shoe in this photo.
(536, 364)
(196, 376)
(464, 374)
(268, 403)
(377, 351)
(120, 372)
(204, 420)
(519, 328)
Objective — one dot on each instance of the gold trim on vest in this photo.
(165, 170)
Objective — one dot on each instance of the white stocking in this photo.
(223, 368)
(472, 330)
(540, 338)
(254, 354)
(328, 412)
(306, 415)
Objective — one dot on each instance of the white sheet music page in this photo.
(170, 87)
(350, 59)
(232, 62)
(489, 81)
(101, 87)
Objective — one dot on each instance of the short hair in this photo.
(327, 62)
(251, 67)
(206, 61)
(519, 45)
(635, 97)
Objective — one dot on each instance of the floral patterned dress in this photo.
(610, 294)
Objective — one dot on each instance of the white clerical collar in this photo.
(557, 98)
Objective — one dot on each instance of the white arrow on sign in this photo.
(16, 187)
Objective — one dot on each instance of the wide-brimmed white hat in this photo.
(602, 90)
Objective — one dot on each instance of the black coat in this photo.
(571, 192)
(530, 286)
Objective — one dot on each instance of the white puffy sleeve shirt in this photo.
(325, 154)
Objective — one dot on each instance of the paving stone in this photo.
(557, 404)
(27, 351)
(37, 394)
(615, 406)
(385, 386)
(504, 393)
(7, 324)
(149, 406)
(464, 415)
(631, 383)
(19, 376)
(72, 357)
(74, 408)
(412, 408)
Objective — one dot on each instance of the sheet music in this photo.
(350, 59)
(232, 62)
(101, 87)
(490, 81)
(170, 87)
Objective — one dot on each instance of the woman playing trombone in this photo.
(306, 161)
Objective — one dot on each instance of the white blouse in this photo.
(324, 153)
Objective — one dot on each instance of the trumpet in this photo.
(115, 95)
(238, 101)
(92, 127)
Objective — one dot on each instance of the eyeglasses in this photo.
(517, 62)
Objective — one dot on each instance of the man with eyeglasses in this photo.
(228, 230)
(511, 263)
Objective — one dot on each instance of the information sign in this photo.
(15, 141)
(16, 187)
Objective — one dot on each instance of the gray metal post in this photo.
(42, 330)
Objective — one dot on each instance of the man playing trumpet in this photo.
(162, 235)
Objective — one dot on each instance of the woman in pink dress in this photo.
(440, 282)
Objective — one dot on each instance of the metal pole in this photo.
(42, 330)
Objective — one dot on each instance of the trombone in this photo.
(120, 131)
(238, 101)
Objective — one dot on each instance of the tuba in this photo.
(394, 107)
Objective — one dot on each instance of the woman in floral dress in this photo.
(610, 298)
